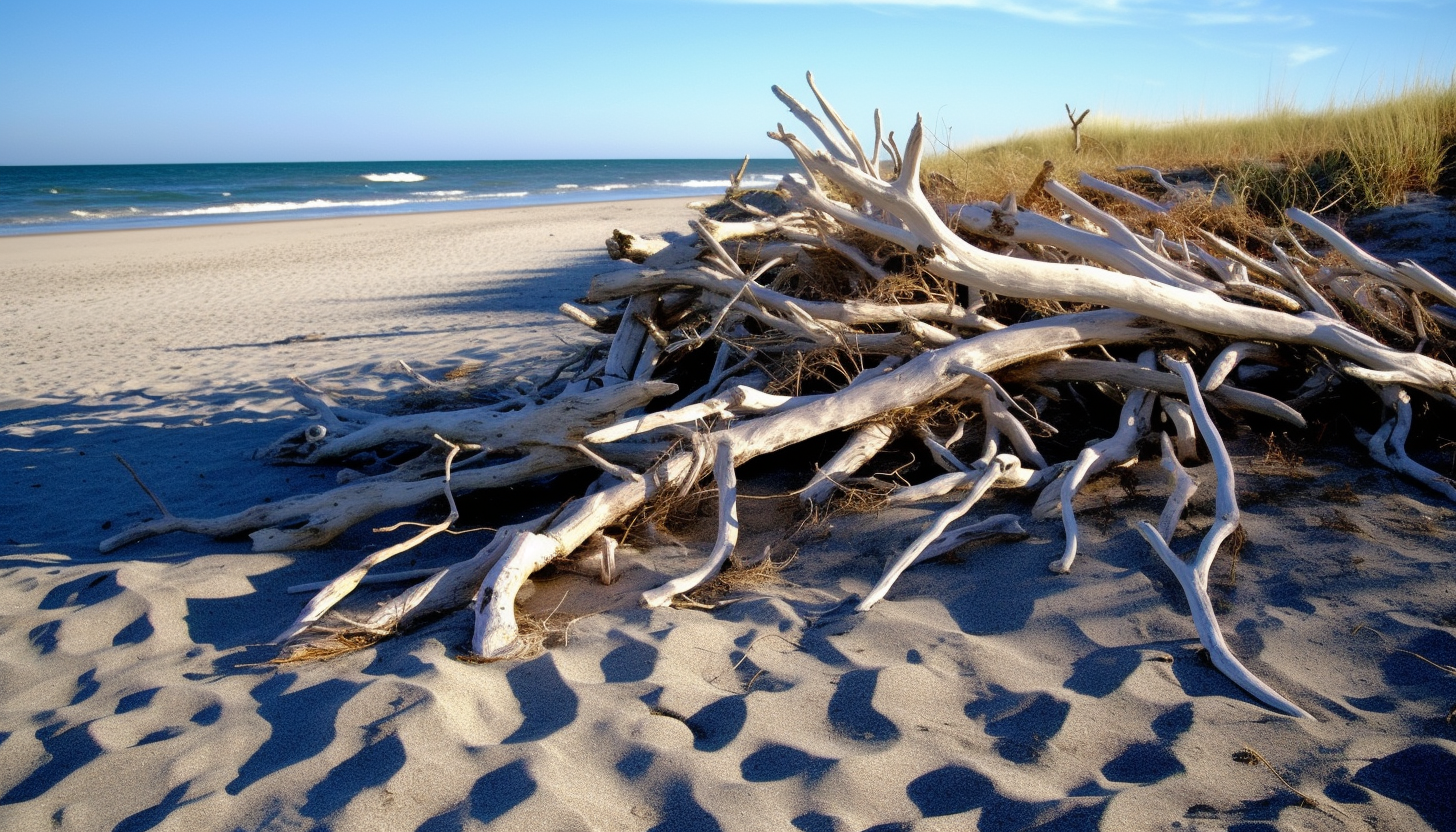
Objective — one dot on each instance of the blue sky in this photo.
(148, 82)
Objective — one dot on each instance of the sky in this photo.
(146, 81)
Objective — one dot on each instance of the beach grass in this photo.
(1351, 157)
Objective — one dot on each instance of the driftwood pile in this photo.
(847, 303)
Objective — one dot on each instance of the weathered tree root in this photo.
(341, 586)
(544, 435)
(1193, 577)
(770, 335)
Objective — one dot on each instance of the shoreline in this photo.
(245, 219)
(48, 200)
(172, 308)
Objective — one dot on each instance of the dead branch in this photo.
(1076, 127)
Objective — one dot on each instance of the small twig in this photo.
(736, 180)
(1251, 757)
(754, 643)
(697, 605)
(1441, 667)
(620, 472)
(557, 608)
(415, 374)
(404, 523)
(134, 475)
(748, 687)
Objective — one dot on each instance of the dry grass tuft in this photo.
(807, 372)
(324, 648)
(534, 635)
(1355, 157)
(736, 577)
(1339, 521)
(1342, 493)
(1281, 456)
(859, 497)
(1236, 543)
(464, 371)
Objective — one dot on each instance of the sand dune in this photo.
(983, 693)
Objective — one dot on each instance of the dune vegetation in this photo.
(1351, 157)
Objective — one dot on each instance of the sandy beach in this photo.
(984, 693)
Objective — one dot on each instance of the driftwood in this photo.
(847, 303)
(1076, 127)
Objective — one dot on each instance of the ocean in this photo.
(43, 199)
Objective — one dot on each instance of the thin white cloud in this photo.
(1084, 12)
(1072, 12)
(1217, 18)
(1305, 53)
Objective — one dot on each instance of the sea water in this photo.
(96, 197)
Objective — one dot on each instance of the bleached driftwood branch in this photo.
(1193, 577)
(1076, 127)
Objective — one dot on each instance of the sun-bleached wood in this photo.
(1205, 621)
(542, 436)
(1118, 449)
(558, 421)
(1387, 446)
(1181, 417)
(1407, 273)
(1230, 358)
(859, 449)
(1087, 180)
(922, 379)
(1193, 577)
(911, 555)
(995, 527)
(624, 245)
(341, 586)
(727, 482)
(760, 298)
(921, 229)
(1184, 487)
(1124, 374)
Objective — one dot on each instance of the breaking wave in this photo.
(394, 177)
(749, 182)
(259, 207)
(105, 215)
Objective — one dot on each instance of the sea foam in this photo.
(394, 177)
(105, 215)
(259, 207)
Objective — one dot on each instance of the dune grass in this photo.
(1350, 158)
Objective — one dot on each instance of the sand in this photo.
(983, 693)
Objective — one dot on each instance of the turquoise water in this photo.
(95, 197)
